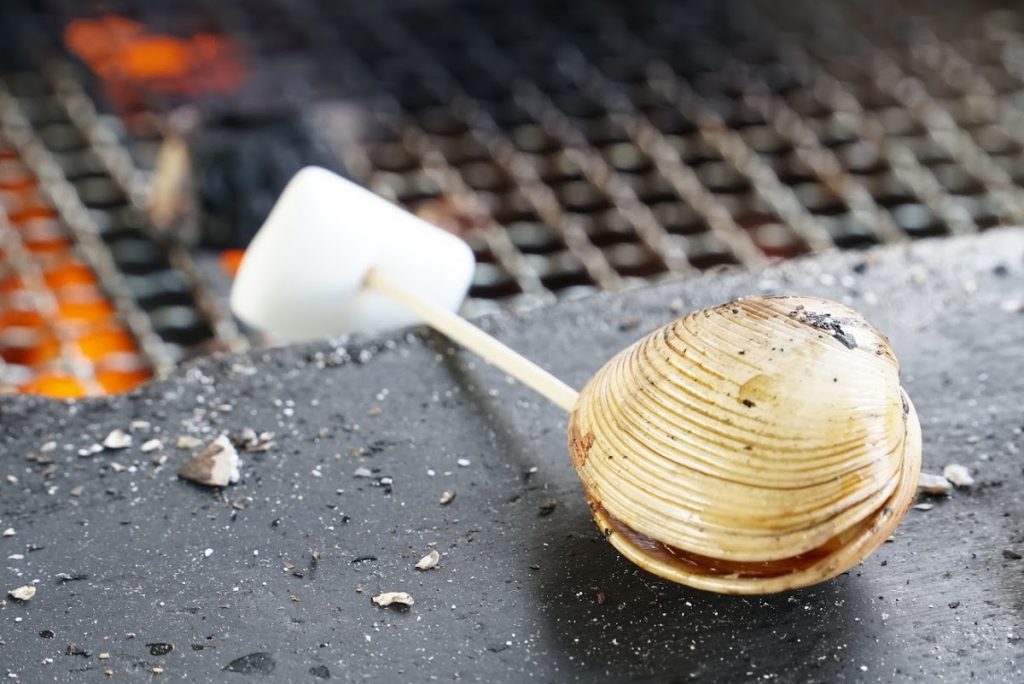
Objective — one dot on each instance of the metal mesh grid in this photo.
(583, 146)
(591, 145)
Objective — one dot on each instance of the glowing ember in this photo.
(133, 61)
(230, 260)
(56, 318)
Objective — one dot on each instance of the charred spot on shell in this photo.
(827, 323)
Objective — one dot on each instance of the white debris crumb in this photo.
(188, 442)
(429, 561)
(90, 450)
(959, 475)
(463, 462)
(934, 484)
(48, 447)
(676, 306)
(137, 425)
(117, 439)
(104, 656)
(16, 556)
(215, 466)
(151, 445)
(447, 497)
(1012, 305)
(390, 597)
(207, 553)
(22, 593)
(12, 479)
(923, 506)
(9, 532)
(362, 471)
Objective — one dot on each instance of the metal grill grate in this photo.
(77, 248)
(589, 145)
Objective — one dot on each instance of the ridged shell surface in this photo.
(752, 447)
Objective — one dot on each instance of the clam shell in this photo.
(754, 447)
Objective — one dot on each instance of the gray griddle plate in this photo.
(518, 596)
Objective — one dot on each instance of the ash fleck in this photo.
(363, 559)
(390, 598)
(959, 475)
(117, 439)
(934, 484)
(1009, 554)
(215, 466)
(447, 497)
(320, 671)
(548, 508)
(259, 662)
(629, 323)
(76, 650)
(160, 648)
(428, 562)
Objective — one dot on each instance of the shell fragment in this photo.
(117, 439)
(934, 484)
(388, 598)
(959, 475)
(428, 562)
(215, 466)
(24, 593)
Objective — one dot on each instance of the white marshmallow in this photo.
(301, 276)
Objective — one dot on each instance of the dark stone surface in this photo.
(518, 595)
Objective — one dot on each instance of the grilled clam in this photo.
(754, 447)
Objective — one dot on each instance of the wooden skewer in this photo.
(476, 340)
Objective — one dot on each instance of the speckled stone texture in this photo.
(526, 590)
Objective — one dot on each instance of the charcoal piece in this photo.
(241, 162)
